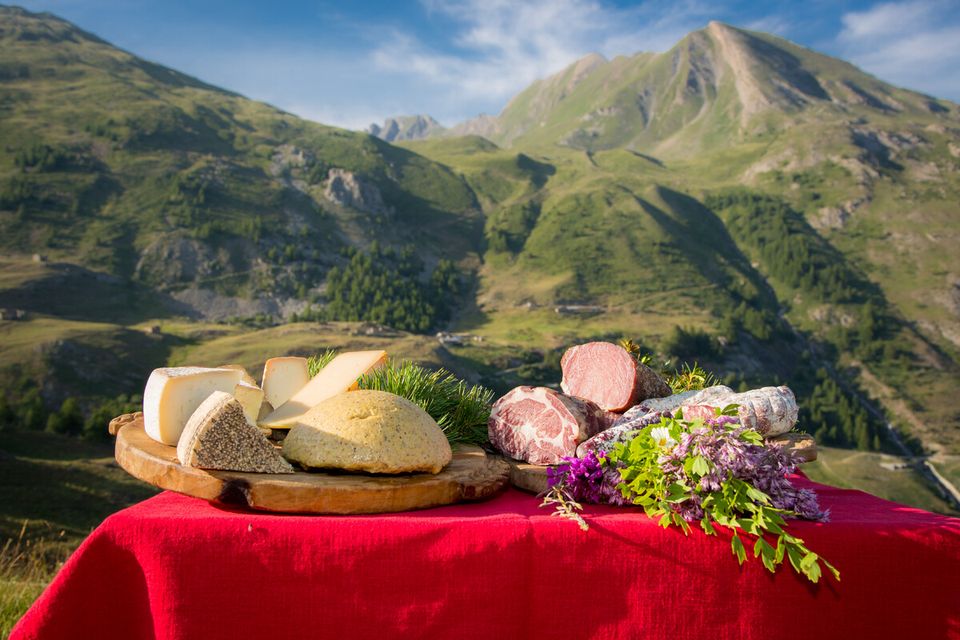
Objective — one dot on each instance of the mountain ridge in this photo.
(795, 226)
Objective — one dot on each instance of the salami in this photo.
(770, 410)
(541, 426)
(608, 375)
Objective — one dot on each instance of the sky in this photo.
(353, 63)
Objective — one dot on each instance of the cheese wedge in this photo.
(283, 377)
(339, 375)
(173, 394)
(218, 436)
(244, 374)
(250, 397)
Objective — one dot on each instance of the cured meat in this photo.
(541, 426)
(770, 410)
(620, 432)
(677, 400)
(610, 376)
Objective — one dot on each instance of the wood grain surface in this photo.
(472, 475)
(533, 477)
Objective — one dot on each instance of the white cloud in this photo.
(500, 47)
(915, 44)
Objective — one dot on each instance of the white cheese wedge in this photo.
(250, 397)
(245, 375)
(173, 394)
(283, 377)
(339, 375)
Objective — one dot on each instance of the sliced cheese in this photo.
(283, 377)
(173, 394)
(339, 375)
(250, 397)
(218, 436)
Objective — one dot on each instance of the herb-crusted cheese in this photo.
(218, 436)
(339, 375)
(173, 394)
(371, 431)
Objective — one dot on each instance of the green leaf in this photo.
(700, 466)
(729, 410)
(707, 527)
(794, 556)
(833, 569)
(813, 572)
(738, 549)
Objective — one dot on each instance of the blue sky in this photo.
(353, 63)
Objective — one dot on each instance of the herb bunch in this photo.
(460, 409)
(716, 473)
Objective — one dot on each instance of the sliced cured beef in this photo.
(770, 410)
(541, 426)
(609, 375)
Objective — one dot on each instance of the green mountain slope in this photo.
(794, 216)
(144, 173)
(745, 186)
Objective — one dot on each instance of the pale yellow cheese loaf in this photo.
(371, 431)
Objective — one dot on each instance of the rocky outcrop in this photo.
(348, 189)
(204, 304)
(406, 128)
(176, 259)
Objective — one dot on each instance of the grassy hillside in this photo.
(138, 171)
(739, 200)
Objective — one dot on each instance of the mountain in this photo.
(716, 86)
(132, 169)
(737, 179)
(407, 128)
(774, 213)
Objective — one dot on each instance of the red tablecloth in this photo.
(176, 567)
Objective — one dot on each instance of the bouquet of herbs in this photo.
(716, 473)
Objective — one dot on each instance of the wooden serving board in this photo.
(472, 475)
(533, 477)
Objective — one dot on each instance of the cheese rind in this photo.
(340, 375)
(244, 374)
(218, 436)
(250, 397)
(283, 377)
(173, 394)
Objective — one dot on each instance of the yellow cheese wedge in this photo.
(283, 377)
(250, 397)
(339, 375)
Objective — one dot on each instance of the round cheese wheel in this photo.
(372, 431)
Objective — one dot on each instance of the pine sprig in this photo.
(319, 361)
(460, 409)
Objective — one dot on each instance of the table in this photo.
(178, 567)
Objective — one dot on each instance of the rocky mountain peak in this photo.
(415, 127)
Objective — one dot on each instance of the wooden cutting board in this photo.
(472, 475)
(533, 477)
